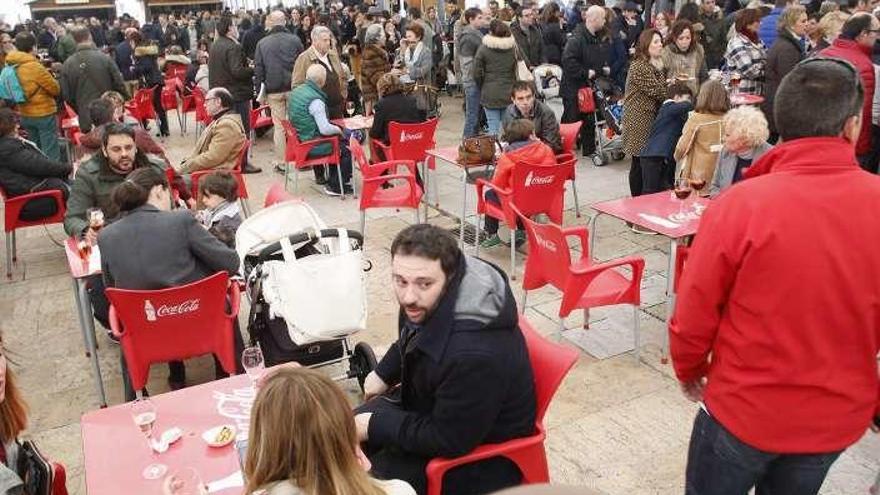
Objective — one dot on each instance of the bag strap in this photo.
(287, 250)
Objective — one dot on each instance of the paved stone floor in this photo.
(616, 426)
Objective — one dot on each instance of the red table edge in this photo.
(602, 207)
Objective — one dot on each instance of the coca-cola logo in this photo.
(545, 243)
(404, 137)
(532, 179)
(188, 306)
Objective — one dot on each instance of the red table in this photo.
(354, 123)
(746, 99)
(449, 155)
(657, 212)
(115, 452)
(80, 271)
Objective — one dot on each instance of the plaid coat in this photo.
(749, 60)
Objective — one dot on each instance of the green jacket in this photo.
(92, 187)
(66, 47)
(298, 113)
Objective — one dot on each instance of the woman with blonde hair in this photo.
(13, 420)
(786, 52)
(303, 441)
(745, 140)
(700, 141)
(830, 26)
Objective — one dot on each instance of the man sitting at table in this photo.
(102, 112)
(221, 143)
(459, 374)
(94, 182)
(525, 106)
(393, 106)
(307, 111)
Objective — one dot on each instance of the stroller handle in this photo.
(309, 236)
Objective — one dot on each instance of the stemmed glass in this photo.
(697, 183)
(682, 189)
(143, 412)
(185, 482)
(253, 363)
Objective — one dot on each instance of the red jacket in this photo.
(536, 153)
(859, 56)
(779, 303)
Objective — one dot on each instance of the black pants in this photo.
(587, 135)
(160, 111)
(490, 226)
(635, 177)
(721, 464)
(657, 173)
(38, 208)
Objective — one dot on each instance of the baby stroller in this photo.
(547, 80)
(609, 111)
(306, 287)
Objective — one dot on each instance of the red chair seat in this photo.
(392, 197)
(605, 289)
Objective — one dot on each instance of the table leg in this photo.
(425, 187)
(464, 176)
(79, 314)
(670, 299)
(91, 340)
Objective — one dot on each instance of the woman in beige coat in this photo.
(700, 141)
(683, 56)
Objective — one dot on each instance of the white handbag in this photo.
(322, 296)
(522, 69)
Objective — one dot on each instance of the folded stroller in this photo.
(307, 290)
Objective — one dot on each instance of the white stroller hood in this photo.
(271, 224)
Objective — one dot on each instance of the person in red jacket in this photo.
(523, 146)
(856, 40)
(776, 329)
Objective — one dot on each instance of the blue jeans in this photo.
(493, 120)
(472, 110)
(43, 131)
(720, 464)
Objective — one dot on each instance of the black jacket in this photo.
(251, 38)
(465, 379)
(666, 129)
(785, 53)
(124, 59)
(274, 57)
(228, 68)
(554, 42)
(546, 125)
(23, 167)
(396, 107)
(585, 51)
(530, 42)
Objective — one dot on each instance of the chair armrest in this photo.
(374, 169)
(582, 277)
(306, 146)
(438, 466)
(583, 237)
(505, 198)
(115, 325)
(375, 144)
(234, 292)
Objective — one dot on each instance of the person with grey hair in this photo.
(222, 141)
(374, 63)
(274, 57)
(307, 110)
(323, 52)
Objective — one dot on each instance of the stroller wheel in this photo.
(598, 159)
(617, 155)
(362, 362)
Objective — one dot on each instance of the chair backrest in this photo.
(539, 189)
(549, 258)
(175, 71)
(201, 111)
(550, 363)
(357, 153)
(411, 141)
(174, 324)
(242, 155)
(569, 133)
(293, 152)
(277, 194)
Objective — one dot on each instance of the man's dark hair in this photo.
(224, 24)
(116, 129)
(471, 13)
(856, 25)
(221, 184)
(415, 13)
(429, 242)
(680, 89)
(817, 98)
(25, 41)
(518, 130)
(101, 111)
(81, 34)
(8, 121)
(522, 86)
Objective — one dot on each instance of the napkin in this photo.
(232, 481)
(659, 221)
(95, 260)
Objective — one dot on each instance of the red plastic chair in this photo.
(68, 123)
(171, 91)
(141, 106)
(550, 363)
(569, 134)
(406, 194)
(681, 256)
(296, 153)
(569, 161)
(59, 479)
(536, 189)
(243, 195)
(195, 103)
(584, 283)
(11, 222)
(409, 142)
(277, 194)
(157, 326)
(175, 71)
(260, 117)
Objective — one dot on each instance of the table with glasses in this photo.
(745, 99)
(117, 455)
(81, 270)
(664, 214)
(354, 123)
(449, 155)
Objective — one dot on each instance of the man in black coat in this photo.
(528, 36)
(459, 374)
(228, 68)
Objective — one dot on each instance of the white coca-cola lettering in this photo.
(546, 243)
(404, 137)
(532, 179)
(187, 306)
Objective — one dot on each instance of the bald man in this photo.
(273, 64)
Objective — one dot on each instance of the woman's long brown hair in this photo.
(302, 430)
(13, 409)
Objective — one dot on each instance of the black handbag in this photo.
(35, 470)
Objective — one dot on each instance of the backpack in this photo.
(10, 86)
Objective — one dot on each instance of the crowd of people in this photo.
(713, 95)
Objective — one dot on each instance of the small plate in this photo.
(211, 437)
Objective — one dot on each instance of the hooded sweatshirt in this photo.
(778, 304)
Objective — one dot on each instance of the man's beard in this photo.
(122, 166)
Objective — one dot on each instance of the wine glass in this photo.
(682, 189)
(253, 363)
(96, 218)
(697, 183)
(349, 108)
(187, 481)
(143, 412)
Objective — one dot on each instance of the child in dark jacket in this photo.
(218, 193)
(658, 164)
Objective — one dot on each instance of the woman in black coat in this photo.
(146, 69)
(25, 169)
(786, 52)
(554, 38)
(393, 106)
